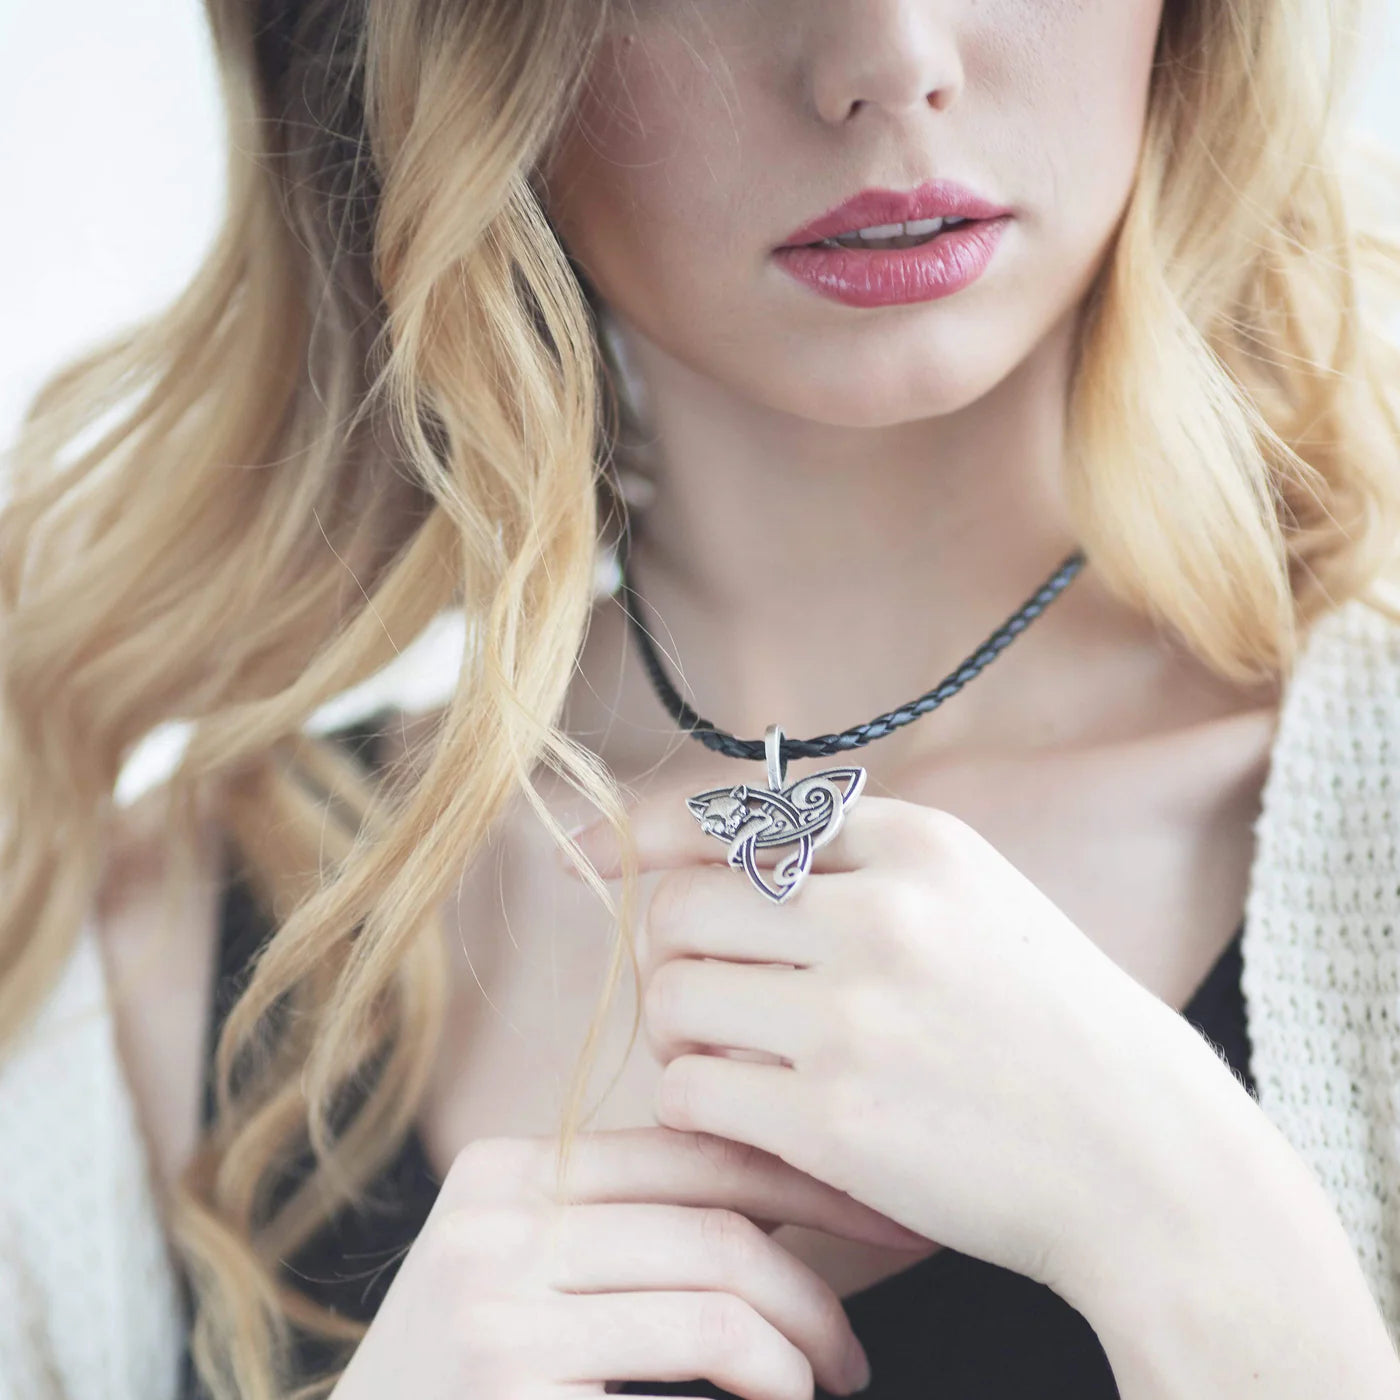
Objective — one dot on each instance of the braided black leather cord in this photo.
(825, 744)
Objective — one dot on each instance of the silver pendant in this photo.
(807, 814)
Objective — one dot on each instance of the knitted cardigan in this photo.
(89, 1303)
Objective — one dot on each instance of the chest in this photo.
(1147, 846)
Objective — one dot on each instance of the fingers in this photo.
(754, 1315)
(652, 1260)
(673, 1168)
(692, 1003)
(710, 911)
(873, 829)
(685, 1336)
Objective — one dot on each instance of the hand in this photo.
(942, 1042)
(653, 1270)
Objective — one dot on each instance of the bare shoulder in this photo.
(159, 973)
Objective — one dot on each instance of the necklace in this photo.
(810, 812)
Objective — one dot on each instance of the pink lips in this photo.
(935, 199)
(893, 276)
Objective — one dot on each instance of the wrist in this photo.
(1272, 1306)
(1179, 1143)
(1224, 1270)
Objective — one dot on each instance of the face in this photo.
(713, 130)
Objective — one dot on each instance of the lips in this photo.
(871, 208)
(861, 277)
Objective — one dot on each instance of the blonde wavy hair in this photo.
(385, 394)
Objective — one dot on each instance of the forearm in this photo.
(1242, 1282)
(1281, 1314)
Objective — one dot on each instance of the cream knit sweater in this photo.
(89, 1304)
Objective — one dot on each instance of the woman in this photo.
(969, 1078)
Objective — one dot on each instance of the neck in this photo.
(816, 576)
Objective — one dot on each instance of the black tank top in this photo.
(950, 1324)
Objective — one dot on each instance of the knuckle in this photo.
(491, 1167)
(861, 1015)
(725, 1325)
(798, 1380)
(794, 1378)
(480, 1238)
(936, 833)
(734, 1338)
(677, 1093)
(894, 913)
(888, 905)
(732, 1158)
(663, 995)
(869, 1030)
(918, 836)
(670, 897)
(731, 1241)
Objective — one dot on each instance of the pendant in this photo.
(807, 814)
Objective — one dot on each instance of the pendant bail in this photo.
(777, 764)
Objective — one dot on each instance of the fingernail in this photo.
(859, 1374)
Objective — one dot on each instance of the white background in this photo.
(111, 175)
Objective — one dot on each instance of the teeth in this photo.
(881, 231)
(911, 228)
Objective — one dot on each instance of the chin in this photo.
(862, 396)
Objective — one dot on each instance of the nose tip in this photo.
(884, 58)
(938, 98)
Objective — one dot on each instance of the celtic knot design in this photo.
(806, 815)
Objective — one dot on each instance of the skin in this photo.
(708, 134)
(913, 453)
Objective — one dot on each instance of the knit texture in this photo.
(89, 1303)
(1321, 945)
